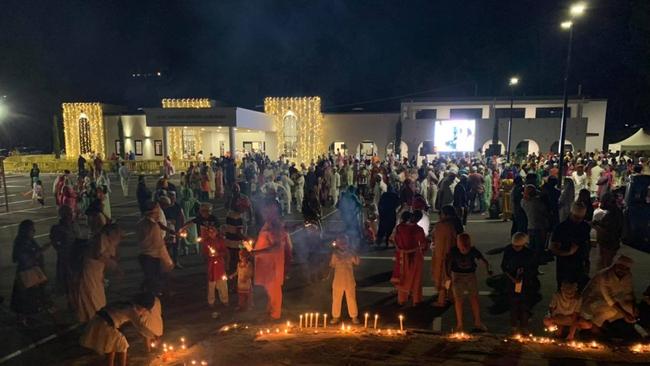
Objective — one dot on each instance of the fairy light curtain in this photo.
(298, 122)
(83, 129)
(184, 140)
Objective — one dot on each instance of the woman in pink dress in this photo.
(70, 199)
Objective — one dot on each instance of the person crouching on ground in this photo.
(244, 281)
(343, 260)
(520, 266)
(461, 268)
(103, 335)
(215, 253)
(564, 311)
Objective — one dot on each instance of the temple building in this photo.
(297, 129)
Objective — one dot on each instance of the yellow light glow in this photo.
(309, 124)
(175, 134)
(71, 115)
(566, 25)
(514, 81)
(578, 9)
(186, 103)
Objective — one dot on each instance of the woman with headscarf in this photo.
(444, 238)
(100, 255)
(272, 257)
(28, 296)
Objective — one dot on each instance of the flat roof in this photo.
(489, 100)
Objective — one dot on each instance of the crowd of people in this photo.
(381, 203)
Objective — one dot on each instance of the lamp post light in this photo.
(512, 83)
(575, 11)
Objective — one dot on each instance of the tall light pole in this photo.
(512, 83)
(575, 11)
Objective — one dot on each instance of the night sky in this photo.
(347, 52)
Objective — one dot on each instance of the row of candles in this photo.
(169, 352)
(311, 320)
(581, 346)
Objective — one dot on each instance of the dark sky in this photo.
(345, 51)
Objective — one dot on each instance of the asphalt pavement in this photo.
(53, 338)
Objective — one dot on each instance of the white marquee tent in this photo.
(639, 141)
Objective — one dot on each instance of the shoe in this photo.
(335, 321)
(179, 266)
(355, 320)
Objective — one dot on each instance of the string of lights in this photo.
(79, 137)
(309, 123)
(175, 134)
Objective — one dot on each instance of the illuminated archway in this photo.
(366, 149)
(308, 121)
(290, 135)
(404, 148)
(338, 147)
(83, 129)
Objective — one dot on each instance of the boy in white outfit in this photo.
(343, 260)
(287, 183)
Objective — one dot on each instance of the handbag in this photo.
(32, 277)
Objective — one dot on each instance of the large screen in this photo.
(455, 135)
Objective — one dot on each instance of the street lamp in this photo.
(575, 11)
(512, 83)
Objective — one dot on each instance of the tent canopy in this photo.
(639, 141)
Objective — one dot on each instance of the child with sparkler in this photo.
(215, 252)
(244, 281)
(343, 261)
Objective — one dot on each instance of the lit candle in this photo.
(182, 339)
(300, 321)
(198, 240)
(204, 363)
(288, 324)
(376, 318)
(342, 327)
(193, 362)
(311, 320)
(316, 324)
(401, 323)
(325, 320)
(365, 322)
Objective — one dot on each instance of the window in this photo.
(290, 134)
(551, 112)
(138, 147)
(426, 114)
(158, 147)
(118, 145)
(466, 113)
(189, 142)
(505, 112)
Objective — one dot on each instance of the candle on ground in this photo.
(376, 318)
(365, 322)
(401, 323)
(324, 320)
(300, 321)
(316, 323)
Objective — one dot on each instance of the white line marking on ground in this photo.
(426, 291)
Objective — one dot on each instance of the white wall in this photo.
(212, 140)
(352, 128)
(254, 120)
(135, 128)
(595, 112)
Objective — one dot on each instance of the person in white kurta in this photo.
(343, 262)
(211, 182)
(124, 174)
(103, 335)
(580, 180)
(100, 255)
(379, 189)
(287, 183)
(334, 187)
(609, 295)
(300, 190)
(593, 179)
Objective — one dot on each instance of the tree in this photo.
(56, 140)
(120, 136)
